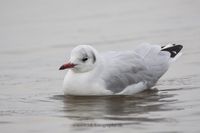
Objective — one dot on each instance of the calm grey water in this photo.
(36, 38)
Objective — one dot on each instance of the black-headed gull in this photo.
(117, 73)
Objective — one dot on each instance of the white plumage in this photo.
(116, 73)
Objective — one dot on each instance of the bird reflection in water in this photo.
(109, 111)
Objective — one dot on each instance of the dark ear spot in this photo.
(93, 57)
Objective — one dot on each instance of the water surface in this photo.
(36, 38)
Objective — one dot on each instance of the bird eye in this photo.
(84, 59)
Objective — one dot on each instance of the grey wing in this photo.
(122, 70)
(146, 63)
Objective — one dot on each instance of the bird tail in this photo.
(174, 51)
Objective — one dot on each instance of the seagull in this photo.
(117, 72)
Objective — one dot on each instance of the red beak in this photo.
(66, 66)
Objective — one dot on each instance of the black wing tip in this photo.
(173, 50)
(178, 46)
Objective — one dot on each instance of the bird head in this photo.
(83, 58)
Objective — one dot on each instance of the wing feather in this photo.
(146, 63)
